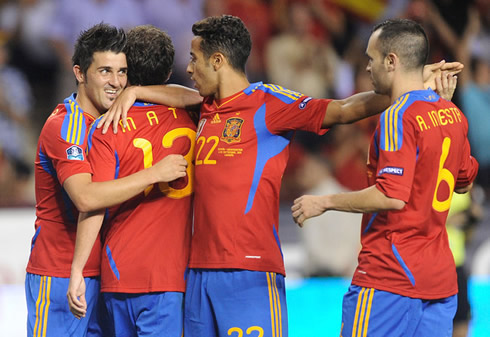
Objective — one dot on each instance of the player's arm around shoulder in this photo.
(354, 108)
(168, 94)
(437, 75)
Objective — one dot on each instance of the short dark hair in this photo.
(101, 37)
(407, 39)
(150, 55)
(225, 34)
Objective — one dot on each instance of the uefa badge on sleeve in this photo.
(74, 152)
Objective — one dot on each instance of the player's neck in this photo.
(86, 105)
(230, 83)
(406, 82)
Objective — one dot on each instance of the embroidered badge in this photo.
(232, 130)
(302, 105)
(391, 170)
(74, 152)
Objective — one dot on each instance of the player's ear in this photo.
(391, 61)
(217, 60)
(79, 75)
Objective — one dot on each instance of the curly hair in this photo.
(150, 55)
(99, 38)
(407, 39)
(225, 34)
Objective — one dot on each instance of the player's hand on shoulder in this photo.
(171, 167)
(118, 110)
(434, 70)
(446, 84)
(76, 296)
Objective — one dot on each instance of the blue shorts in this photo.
(149, 314)
(367, 312)
(48, 313)
(223, 303)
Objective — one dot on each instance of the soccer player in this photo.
(236, 280)
(146, 240)
(405, 282)
(64, 185)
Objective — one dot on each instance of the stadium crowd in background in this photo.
(329, 38)
(335, 32)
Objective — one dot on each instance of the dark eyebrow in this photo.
(109, 68)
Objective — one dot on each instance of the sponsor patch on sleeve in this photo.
(74, 152)
(391, 170)
(302, 105)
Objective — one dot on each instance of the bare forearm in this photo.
(354, 108)
(114, 192)
(172, 94)
(90, 196)
(368, 200)
(89, 225)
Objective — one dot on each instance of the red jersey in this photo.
(241, 153)
(419, 153)
(147, 238)
(60, 154)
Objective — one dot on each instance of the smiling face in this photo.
(104, 80)
(202, 72)
(376, 66)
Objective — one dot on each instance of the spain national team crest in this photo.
(232, 130)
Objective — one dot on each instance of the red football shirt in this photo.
(147, 238)
(60, 154)
(419, 154)
(241, 153)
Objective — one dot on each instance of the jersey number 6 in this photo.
(444, 175)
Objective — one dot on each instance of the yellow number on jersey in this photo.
(249, 331)
(444, 175)
(145, 146)
(167, 142)
(201, 141)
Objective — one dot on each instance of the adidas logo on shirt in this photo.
(216, 119)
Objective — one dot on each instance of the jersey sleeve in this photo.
(66, 145)
(103, 159)
(287, 110)
(469, 167)
(397, 155)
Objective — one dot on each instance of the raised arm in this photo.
(89, 196)
(89, 225)
(366, 104)
(354, 108)
(368, 200)
(170, 94)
